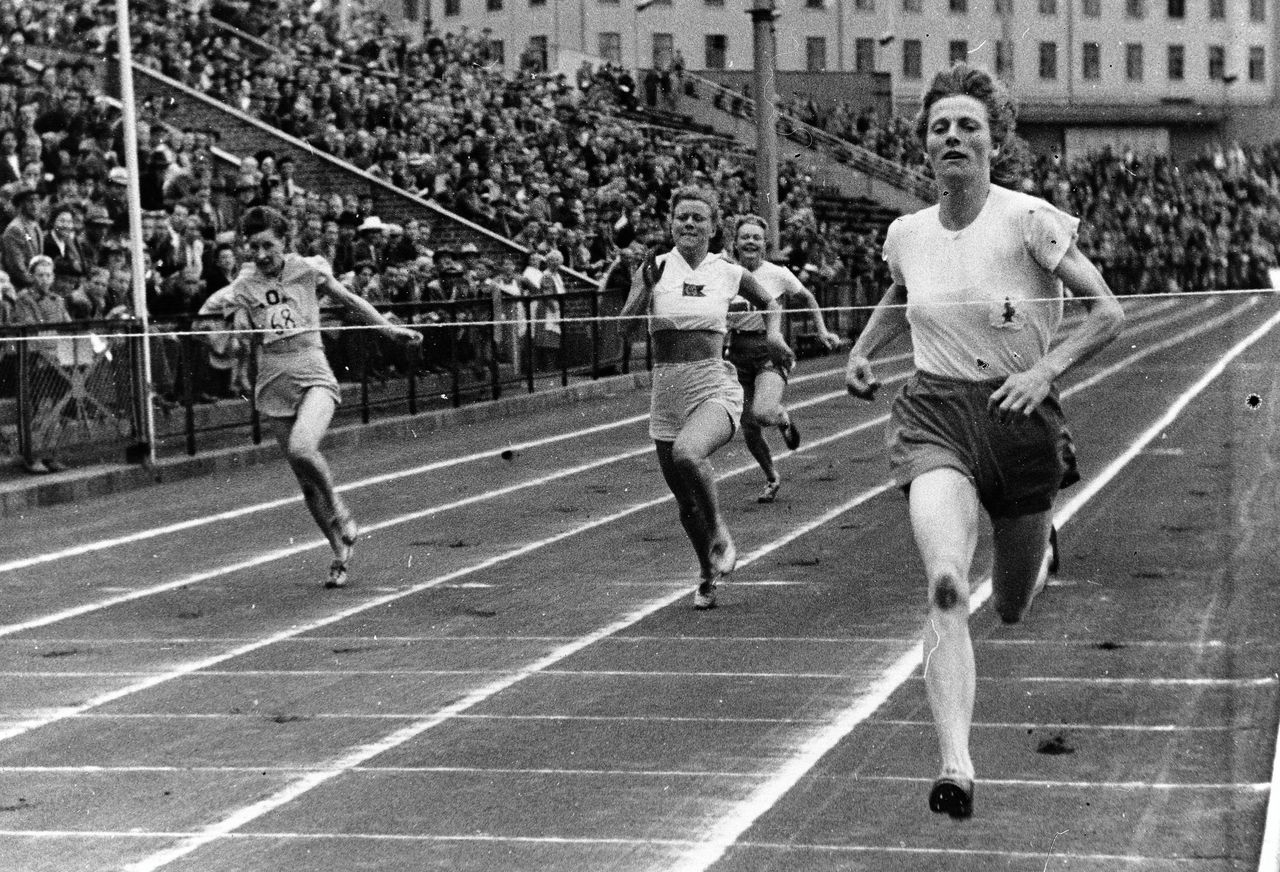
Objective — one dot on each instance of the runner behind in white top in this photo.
(762, 381)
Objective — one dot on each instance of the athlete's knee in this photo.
(686, 459)
(767, 416)
(948, 591)
(302, 454)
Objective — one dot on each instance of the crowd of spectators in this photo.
(561, 165)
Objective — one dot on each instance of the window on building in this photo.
(1091, 61)
(493, 5)
(1049, 61)
(537, 2)
(1003, 7)
(912, 59)
(1135, 8)
(452, 8)
(912, 5)
(959, 5)
(717, 46)
(1177, 63)
(1004, 59)
(719, 3)
(865, 5)
(1217, 63)
(664, 50)
(1177, 8)
(815, 54)
(410, 10)
(814, 4)
(1091, 8)
(538, 46)
(1257, 63)
(1257, 10)
(864, 55)
(958, 51)
(1133, 62)
(610, 47)
(1217, 9)
(498, 52)
(609, 2)
(1048, 7)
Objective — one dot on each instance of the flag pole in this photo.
(125, 52)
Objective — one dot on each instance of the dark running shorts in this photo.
(749, 353)
(1017, 467)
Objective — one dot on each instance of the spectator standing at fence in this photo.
(697, 400)
(547, 332)
(762, 381)
(38, 303)
(8, 349)
(276, 295)
(978, 281)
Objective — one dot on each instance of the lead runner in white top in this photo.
(762, 382)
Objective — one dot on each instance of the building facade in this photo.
(1074, 65)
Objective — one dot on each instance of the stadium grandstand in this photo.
(435, 167)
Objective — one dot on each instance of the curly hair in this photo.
(744, 220)
(261, 218)
(963, 80)
(701, 195)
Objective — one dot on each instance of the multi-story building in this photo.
(1151, 70)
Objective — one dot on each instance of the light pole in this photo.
(764, 50)
(1227, 81)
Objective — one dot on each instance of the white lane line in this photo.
(1113, 861)
(151, 533)
(279, 554)
(1269, 856)
(1069, 726)
(628, 774)
(1104, 681)
(357, 756)
(728, 830)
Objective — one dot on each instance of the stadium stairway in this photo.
(242, 134)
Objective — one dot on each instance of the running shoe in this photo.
(952, 795)
(344, 534)
(337, 574)
(790, 433)
(705, 596)
(770, 492)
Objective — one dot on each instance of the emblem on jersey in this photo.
(691, 290)
(1005, 315)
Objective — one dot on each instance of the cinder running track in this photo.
(516, 680)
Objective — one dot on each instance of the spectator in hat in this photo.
(115, 198)
(97, 225)
(22, 239)
(371, 244)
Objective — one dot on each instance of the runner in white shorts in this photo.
(275, 296)
(697, 401)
